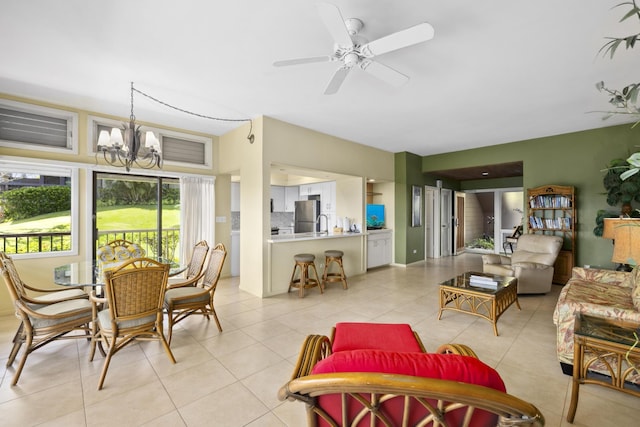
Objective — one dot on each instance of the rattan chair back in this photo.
(214, 268)
(134, 294)
(135, 289)
(15, 285)
(119, 242)
(198, 257)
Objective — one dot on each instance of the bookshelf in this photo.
(552, 211)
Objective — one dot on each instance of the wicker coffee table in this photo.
(459, 294)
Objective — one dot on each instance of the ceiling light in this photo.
(129, 145)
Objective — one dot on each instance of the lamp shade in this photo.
(611, 224)
(626, 249)
(105, 139)
(116, 137)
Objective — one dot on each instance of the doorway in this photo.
(140, 209)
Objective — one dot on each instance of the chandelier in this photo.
(126, 146)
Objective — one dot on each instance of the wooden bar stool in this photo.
(334, 256)
(304, 263)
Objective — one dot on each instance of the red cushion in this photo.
(374, 336)
(443, 366)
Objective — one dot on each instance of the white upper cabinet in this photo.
(291, 195)
(277, 195)
(329, 197)
(326, 191)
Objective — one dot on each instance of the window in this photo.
(38, 209)
(177, 147)
(40, 128)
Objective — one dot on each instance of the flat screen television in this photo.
(375, 217)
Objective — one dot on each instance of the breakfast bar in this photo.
(282, 248)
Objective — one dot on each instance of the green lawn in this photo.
(110, 218)
(137, 217)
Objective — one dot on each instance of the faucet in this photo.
(326, 220)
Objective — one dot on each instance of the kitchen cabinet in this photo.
(379, 248)
(277, 195)
(307, 190)
(326, 191)
(329, 197)
(235, 197)
(291, 196)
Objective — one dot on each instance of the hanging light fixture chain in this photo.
(132, 116)
(250, 137)
(186, 111)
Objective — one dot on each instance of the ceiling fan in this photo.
(352, 50)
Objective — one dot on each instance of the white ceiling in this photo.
(495, 72)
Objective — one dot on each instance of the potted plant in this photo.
(621, 180)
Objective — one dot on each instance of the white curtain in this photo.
(197, 213)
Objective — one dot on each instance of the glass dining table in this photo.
(86, 273)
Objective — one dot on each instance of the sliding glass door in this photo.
(140, 209)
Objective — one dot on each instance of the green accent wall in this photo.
(575, 159)
(408, 172)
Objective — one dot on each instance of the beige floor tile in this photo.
(172, 419)
(228, 342)
(249, 360)
(232, 406)
(38, 407)
(265, 384)
(134, 407)
(232, 378)
(191, 384)
(267, 420)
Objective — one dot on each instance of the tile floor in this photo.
(231, 378)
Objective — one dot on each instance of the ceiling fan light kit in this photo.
(352, 50)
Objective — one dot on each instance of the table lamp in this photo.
(626, 237)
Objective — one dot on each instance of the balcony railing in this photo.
(25, 243)
(61, 241)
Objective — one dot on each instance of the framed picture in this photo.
(416, 206)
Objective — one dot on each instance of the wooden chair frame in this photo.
(133, 311)
(196, 297)
(42, 321)
(435, 397)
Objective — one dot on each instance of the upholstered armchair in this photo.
(531, 263)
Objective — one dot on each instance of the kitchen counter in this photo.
(282, 248)
(296, 237)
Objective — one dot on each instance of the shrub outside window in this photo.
(37, 209)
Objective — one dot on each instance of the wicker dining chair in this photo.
(131, 310)
(193, 272)
(42, 320)
(196, 298)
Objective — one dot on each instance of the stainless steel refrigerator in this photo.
(305, 216)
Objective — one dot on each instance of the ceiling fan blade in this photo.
(336, 80)
(299, 61)
(414, 35)
(332, 18)
(384, 72)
